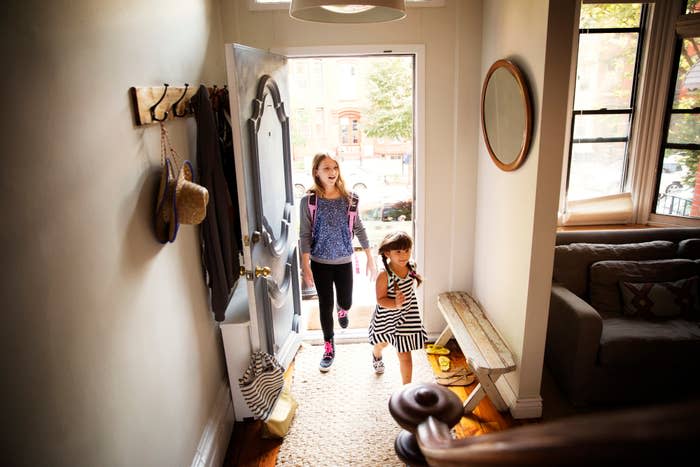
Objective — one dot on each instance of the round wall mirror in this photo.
(506, 115)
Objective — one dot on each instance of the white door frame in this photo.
(418, 51)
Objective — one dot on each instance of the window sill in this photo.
(604, 227)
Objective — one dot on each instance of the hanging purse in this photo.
(261, 384)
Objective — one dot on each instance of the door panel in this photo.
(258, 81)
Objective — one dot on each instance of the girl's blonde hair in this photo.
(398, 241)
(317, 187)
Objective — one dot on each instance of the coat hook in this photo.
(153, 107)
(178, 101)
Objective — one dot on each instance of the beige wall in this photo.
(516, 211)
(110, 355)
(451, 36)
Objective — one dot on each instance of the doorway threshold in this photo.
(344, 336)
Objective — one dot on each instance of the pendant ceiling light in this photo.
(348, 11)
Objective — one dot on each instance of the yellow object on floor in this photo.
(432, 349)
(280, 419)
(444, 362)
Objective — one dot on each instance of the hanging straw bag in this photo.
(261, 384)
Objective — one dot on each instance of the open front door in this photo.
(258, 92)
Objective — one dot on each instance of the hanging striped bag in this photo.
(261, 384)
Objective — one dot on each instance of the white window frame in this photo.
(647, 129)
(685, 26)
(419, 148)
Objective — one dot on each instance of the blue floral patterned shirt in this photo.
(330, 242)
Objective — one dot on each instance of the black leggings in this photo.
(325, 276)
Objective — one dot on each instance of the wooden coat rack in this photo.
(160, 103)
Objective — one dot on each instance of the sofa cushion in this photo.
(689, 248)
(660, 300)
(631, 342)
(572, 262)
(605, 276)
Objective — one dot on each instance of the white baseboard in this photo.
(529, 407)
(213, 444)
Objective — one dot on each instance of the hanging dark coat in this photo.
(219, 233)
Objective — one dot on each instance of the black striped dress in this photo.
(401, 327)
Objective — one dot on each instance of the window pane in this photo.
(596, 169)
(601, 126)
(678, 194)
(605, 71)
(687, 93)
(610, 15)
(684, 129)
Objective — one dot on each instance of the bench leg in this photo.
(486, 387)
(445, 336)
(474, 398)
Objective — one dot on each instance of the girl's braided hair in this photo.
(398, 240)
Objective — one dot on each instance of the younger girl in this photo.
(396, 318)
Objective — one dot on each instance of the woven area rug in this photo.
(343, 416)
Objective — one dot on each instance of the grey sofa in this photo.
(607, 345)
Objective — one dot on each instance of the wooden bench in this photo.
(485, 352)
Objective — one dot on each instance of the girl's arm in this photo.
(305, 240)
(382, 290)
(371, 268)
(361, 234)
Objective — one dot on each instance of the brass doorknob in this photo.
(262, 271)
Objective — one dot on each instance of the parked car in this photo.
(383, 217)
(356, 184)
(672, 174)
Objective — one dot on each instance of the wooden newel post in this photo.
(411, 406)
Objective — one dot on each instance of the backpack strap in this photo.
(311, 203)
(352, 212)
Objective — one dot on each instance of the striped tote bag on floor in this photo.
(261, 384)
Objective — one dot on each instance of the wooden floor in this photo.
(247, 448)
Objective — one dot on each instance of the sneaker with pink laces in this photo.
(343, 318)
(328, 356)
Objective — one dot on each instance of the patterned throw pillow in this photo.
(661, 300)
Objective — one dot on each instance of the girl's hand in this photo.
(308, 276)
(400, 297)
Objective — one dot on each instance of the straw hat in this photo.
(166, 218)
(190, 198)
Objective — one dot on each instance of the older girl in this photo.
(326, 246)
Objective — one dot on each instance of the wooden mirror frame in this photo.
(524, 92)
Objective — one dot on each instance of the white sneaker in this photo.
(378, 365)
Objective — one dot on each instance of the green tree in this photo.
(390, 114)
